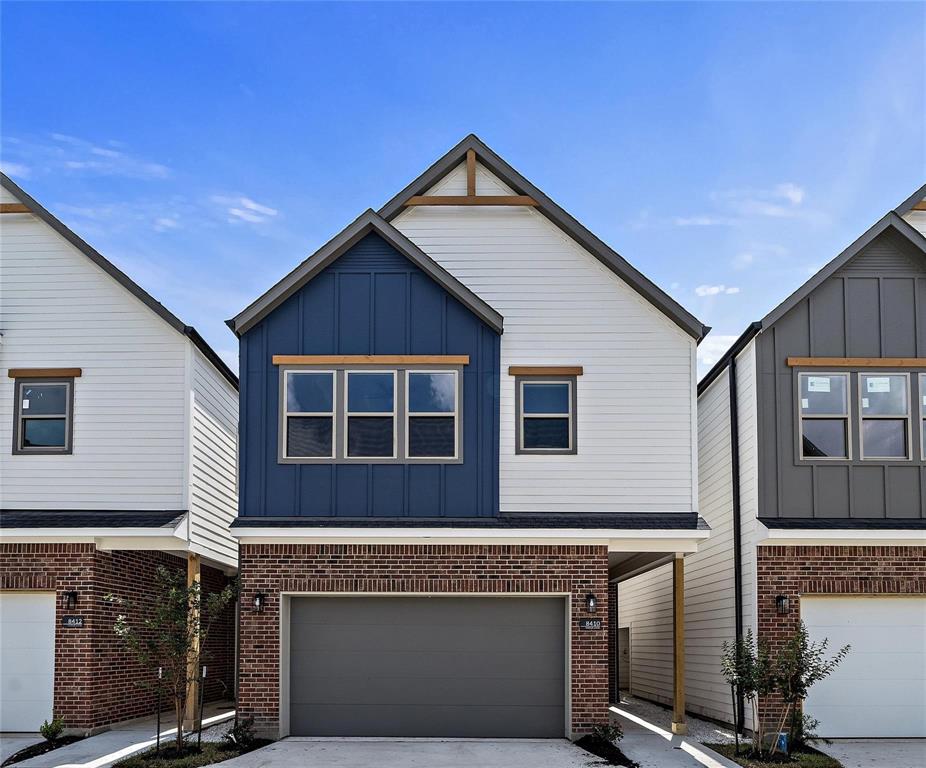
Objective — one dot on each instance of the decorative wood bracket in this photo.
(471, 198)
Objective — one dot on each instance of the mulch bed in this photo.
(191, 756)
(807, 757)
(39, 749)
(606, 750)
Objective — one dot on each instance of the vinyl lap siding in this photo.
(917, 220)
(213, 461)
(58, 309)
(562, 307)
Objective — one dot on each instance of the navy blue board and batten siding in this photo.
(371, 301)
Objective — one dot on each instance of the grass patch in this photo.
(41, 748)
(808, 757)
(606, 750)
(191, 757)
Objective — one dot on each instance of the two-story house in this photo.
(117, 455)
(459, 418)
(812, 451)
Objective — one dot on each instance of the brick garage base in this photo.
(817, 570)
(97, 681)
(464, 569)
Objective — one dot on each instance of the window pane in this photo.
(824, 438)
(546, 398)
(431, 436)
(309, 392)
(884, 395)
(431, 392)
(884, 438)
(370, 393)
(546, 433)
(44, 399)
(308, 436)
(43, 433)
(823, 394)
(369, 436)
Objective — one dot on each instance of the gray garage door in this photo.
(427, 666)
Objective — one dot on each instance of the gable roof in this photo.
(590, 242)
(907, 205)
(120, 277)
(369, 222)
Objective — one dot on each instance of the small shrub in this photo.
(608, 732)
(53, 730)
(241, 734)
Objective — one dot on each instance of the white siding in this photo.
(709, 583)
(213, 461)
(917, 219)
(58, 309)
(563, 307)
(6, 196)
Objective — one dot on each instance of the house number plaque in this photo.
(75, 622)
(589, 623)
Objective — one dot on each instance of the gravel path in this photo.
(699, 730)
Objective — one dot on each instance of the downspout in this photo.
(737, 532)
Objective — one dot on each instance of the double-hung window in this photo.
(309, 414)
(824, 416)
(431, 414)
(43, 420)
(884, 407)
(370, 414)
(546, 414)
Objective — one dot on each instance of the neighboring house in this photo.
(117, 455)
(431, 508)
(812, 453)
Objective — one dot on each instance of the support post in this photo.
(192, 691)
(679, 725)
(470, 173)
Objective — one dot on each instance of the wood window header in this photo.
(856, 362)
(471, 200)
(44, 373)
(371, 359)
(545, 370)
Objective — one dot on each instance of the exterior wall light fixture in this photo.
(70, 600)
(591, 602)
(782, 605)
(260, 600)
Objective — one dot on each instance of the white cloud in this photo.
(716, 290)
(791, 192)
(704, 221)
(712, 349)
(163, 223)
(244, 209)
(62, 153)
(19, 170)
(783, 200)
(743, 260)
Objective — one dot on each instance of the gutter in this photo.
(737, 524)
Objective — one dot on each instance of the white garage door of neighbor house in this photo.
(27, 659)
(880, 687)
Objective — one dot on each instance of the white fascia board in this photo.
(662, 540)
(846, 537)
(153, 538)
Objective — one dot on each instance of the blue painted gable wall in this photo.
(371, 301)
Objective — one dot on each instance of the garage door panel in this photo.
(27, 659)
(879, 690)
(409, 666)
(428, 721)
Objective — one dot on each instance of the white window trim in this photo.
(908, 453)
(287, 413)
(847, 416)
(392, 414)
(570, 409)
(444, 414)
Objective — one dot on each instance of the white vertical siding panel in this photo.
(213, 466)
(563, 307)
(58, 309)
(917, 220)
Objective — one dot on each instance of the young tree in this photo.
(746, 666)
(167, 635)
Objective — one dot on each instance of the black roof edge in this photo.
(119, 276)
(735, 348)
(907, 205)
(844, 523)
(366, 223)
(581, 234)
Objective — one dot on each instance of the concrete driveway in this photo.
(298, 752)
(11, 743)
(883, 753)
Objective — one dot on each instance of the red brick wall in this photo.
(97, 681)
(819, 570)
(448, 569)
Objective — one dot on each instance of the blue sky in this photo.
(726, 150)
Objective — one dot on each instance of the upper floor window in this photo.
(546, 415)
(370, 415)
(43, 421)
(824, 415)
(884, 407)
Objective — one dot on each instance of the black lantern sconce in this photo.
(260, 600)
(782, 605)
(70, 600)
(591, 603)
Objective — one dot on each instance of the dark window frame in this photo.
(573, 415)
(18, 416)
(906, 418)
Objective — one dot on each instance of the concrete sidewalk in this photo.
(11, 743)
(120, 741)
